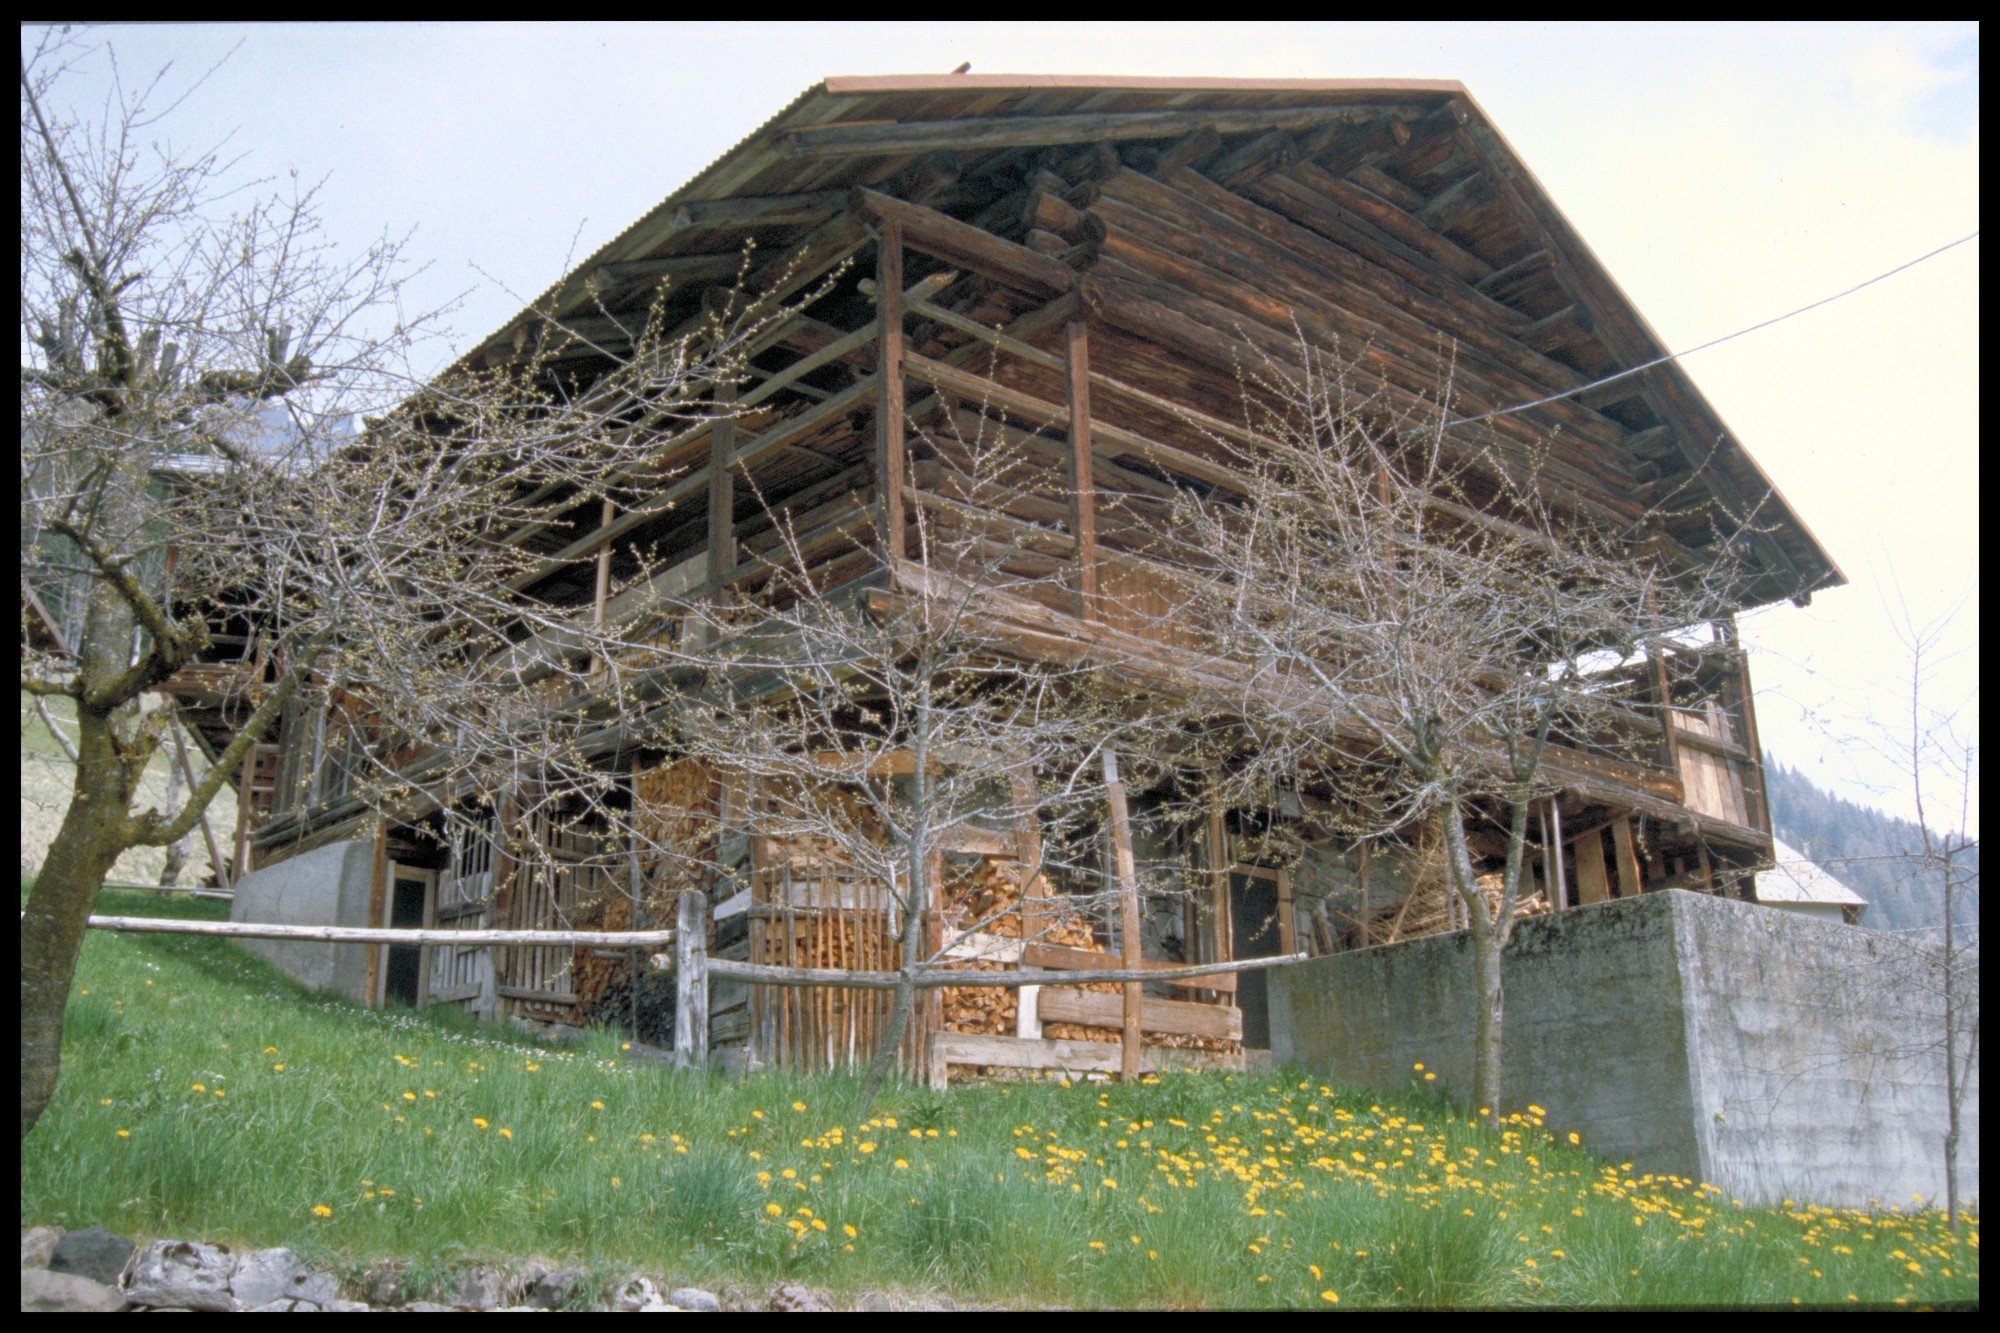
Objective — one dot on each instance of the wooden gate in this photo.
(464, 976)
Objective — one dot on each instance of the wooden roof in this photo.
(1409, 168)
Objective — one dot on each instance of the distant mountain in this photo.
(1876, 855)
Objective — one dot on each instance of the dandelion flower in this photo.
(479, 1121)
(848, 1227)
(1330, 1296)
(597, 1106)
(124, 1133)
(506, 1133)
(321, 1210)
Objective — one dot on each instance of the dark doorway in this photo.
(403, 974)
(1254, 933)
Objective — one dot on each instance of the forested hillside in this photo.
(1876, 855)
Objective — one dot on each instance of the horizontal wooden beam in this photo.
(967, 246)
(1178, 1017)
(252, 930)
(988, 132)
(758, 210)
(1081, 1057)
(1053, 955)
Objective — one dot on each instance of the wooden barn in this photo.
(1082, 264)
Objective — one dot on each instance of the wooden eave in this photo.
(1454, 206)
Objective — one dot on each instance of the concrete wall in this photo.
(1770, 1054)
(328, 886)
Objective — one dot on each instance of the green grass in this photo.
(204, 1096)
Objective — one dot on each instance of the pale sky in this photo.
(1724, 174)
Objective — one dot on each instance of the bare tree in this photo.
(191, 474)
(1940, 756)
(882, 723)
(1415, 618)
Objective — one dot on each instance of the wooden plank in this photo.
(1630, 882)
(1060, 1004)
(1082, 489)
(967, 246)
(691, 979)
(1084, 1057)
(893, 138)
(1128, 912)
(1061, 957)
(889, 403)
(1591, 883)
(257, 930)
(758, 210)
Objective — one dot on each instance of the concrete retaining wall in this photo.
(328, 886)
(1770, 1054)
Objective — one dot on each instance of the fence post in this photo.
(691, 980)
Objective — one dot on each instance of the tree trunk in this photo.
(94, 831)
(1489, 940)
(904, 1003)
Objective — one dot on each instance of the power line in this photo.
(1714, 342)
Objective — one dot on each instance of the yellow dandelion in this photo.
(104, 1101)
(1330, 1296)
(479, 1121)
(1097, 1245)
(506, 1133)
(867, 1147)
(124, 1133)
(597, 1106)
(798, 1106)
(409, 1096)
(278, 1068)
(321, 1210)
(199, 1087)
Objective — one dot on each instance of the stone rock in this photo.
(94, 1253)
(429, 1307)
(554, 1290)
(38, 1244)
(481, 1288)
(794, 1298)
(694, 1298)
(638, 1294)
(264, 1276)
(43, 1290)
(876, 1302)
(184, 1273)
(339, 1306)
(385, 1285)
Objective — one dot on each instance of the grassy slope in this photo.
(46, 775)
(205, 1096)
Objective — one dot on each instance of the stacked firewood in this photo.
(1433, 906)
(986, 897)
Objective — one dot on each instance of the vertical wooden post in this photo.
(1746, 712)
(246, 807)
(1592, 886)
(889, 392)
(223, 880)
(1630, 883)
(1361, 887)
(1553, 832)
(1128, 914)
(1082, 487)
(1028, 864)
(691, 980)
(1218, 869)
(721, 501)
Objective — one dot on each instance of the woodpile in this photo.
(1433, 907)
(986, 897)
